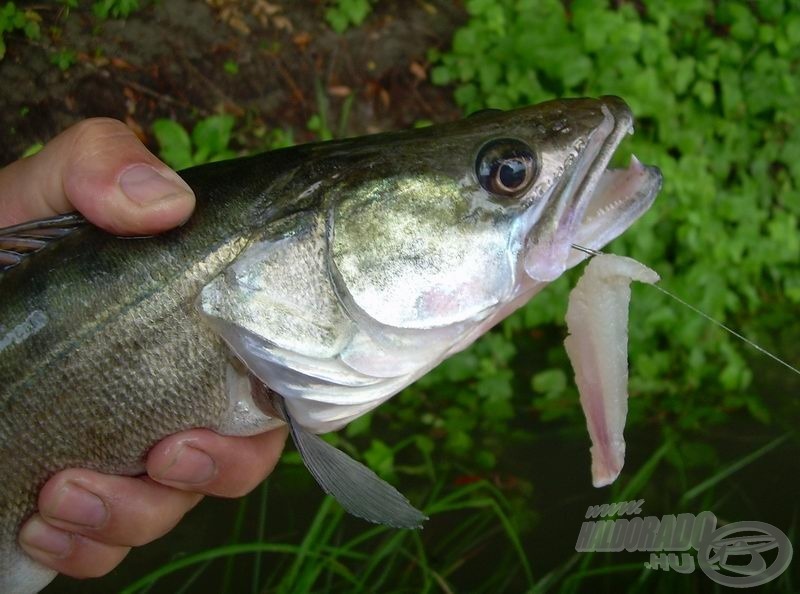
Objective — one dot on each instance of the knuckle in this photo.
(96, 137)
(51, 488)
(92, 130)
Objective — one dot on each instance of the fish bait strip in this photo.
(597, 347)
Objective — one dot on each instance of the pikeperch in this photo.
(311, 284)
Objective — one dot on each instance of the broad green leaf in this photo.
(176, 146)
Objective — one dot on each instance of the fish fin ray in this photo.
(19, 241)
(360, 491)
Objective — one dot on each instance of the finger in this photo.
(204, 461)
(113, 509)
(71, 554)
(100, 168)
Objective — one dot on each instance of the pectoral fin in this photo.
(360, 491)
(26, 238)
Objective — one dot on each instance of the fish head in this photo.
(400, 249)
(441, 226)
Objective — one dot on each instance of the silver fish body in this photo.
(335, 274)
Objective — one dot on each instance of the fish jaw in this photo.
(595, 204)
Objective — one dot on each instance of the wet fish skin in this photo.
(120, 358)
(116, 355)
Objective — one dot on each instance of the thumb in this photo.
(100, 168)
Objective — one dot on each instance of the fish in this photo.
(597, 347)
(311, 284)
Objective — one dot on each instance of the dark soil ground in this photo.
(168, 60)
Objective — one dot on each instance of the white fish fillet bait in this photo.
(597, 346)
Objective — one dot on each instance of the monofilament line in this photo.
(728, 329)
(701, 313)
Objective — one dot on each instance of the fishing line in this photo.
(701, 313)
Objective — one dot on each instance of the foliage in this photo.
(211, 138)
(118, 9)
(475, 543)
(32, 150)
(320, 123)
(208, 141)
(64, 58)
(331, 558)
(13, 19)
(231, 67)
(342, 14)
(714, 87)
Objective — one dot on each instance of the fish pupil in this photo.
(512, 174)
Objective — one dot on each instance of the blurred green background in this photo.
(493, 443)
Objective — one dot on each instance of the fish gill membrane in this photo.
(597, 347)
(311, 284)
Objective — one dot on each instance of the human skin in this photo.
(88, 521)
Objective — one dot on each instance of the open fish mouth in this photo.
(598, 204)
(620, 197)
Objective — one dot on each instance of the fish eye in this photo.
(506, 167)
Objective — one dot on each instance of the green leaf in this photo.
(344, 13)
(551, 382)
(32, 30)
(103, 9)
(380, 458)
(359, 426)
(64, 58)
(486, 459)
(704, 91)
(32, 150)
(337, 20)
(424, 444)
(459, 442)
(231, 67)
(292, 457)
(176, 146)
(212, 134)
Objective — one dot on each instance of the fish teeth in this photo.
(605, 209)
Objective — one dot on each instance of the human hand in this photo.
(88, 521)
